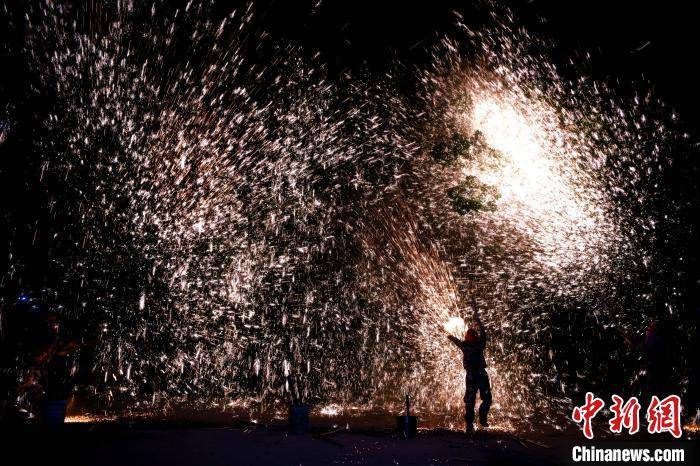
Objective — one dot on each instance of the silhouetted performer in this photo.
(657, 360)
(477, 379)
(8, 361)
(23, 330)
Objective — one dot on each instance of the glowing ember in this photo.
(87, 419)
(266, 234)
(455, 326)
(330, 410)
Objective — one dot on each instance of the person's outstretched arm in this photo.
(452, 338)
(455, 340)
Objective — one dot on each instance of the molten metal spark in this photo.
(242, 234)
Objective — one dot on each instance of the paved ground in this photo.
(188, 444)
(121, 445)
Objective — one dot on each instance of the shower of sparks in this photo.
(531, 178)
(260, 233)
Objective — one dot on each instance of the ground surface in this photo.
(190, 444)
(121, 445)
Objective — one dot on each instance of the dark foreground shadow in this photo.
(247, 444)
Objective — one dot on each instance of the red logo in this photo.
(662, 415)
(626, 415)
(587, 412)
(665, 415)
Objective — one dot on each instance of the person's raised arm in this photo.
(455, 340)
(482, 329)
(452, 338)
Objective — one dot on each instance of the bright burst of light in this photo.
(528, 174)
(265, 234)
(330, 410)
(534, 175)
(455, 326)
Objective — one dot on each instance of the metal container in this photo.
(53, 412)
(299, 418)
(407, 425)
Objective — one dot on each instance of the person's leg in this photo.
(486, 398)
(470, 402)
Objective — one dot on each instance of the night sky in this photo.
(73, 233)
(636, 46)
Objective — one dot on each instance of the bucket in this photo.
(299, 418)
(53, 412)
(407, 426)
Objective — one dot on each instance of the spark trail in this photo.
(246, 234)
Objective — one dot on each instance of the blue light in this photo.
(23, 298)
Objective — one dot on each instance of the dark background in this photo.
(629, 41)
(634, 46)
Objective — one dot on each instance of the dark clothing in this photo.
(9, 353)
(473, 354)
(25, 334)
(658, 365)
(477, 379)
